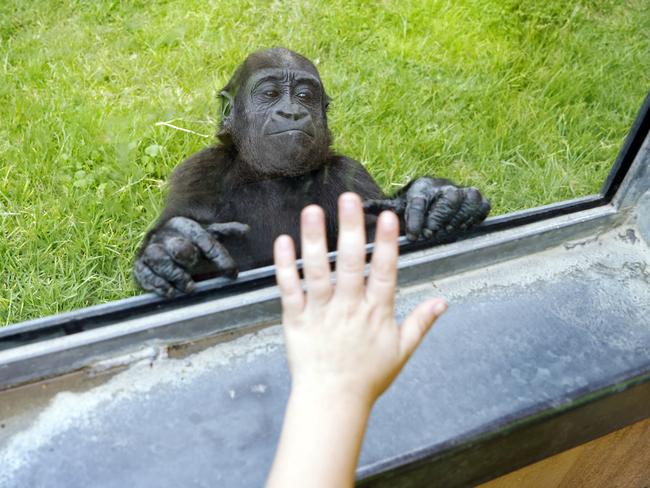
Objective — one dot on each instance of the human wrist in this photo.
(332, 394)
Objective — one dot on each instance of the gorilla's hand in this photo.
(165, 264)
(435, 210)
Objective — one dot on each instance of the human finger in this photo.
(351, 248)
(417, 324)
(314, 255)
(383, 266)
(286, 274)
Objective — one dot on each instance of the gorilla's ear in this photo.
(227, 103)
(227, 106)
(326, 101)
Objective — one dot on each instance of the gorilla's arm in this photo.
(178, 241)
(433, 208)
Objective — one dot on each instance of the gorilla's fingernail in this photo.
(411, 237)
(427, 233)
(190, 287)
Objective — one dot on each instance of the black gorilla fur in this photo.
(228, 203)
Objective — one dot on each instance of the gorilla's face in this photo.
(279, 125)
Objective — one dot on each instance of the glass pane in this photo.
(528, 101)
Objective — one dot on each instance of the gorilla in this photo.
(227, 203)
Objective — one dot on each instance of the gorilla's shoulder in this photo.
(339, 161)
(344, 167)
(205, 166)
(350, 175)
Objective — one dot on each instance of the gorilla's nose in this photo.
(290, 117)
(292, 113)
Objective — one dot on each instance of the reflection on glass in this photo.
(526, 101)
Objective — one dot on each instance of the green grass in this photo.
(528, 100)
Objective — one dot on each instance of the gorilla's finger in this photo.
(182, 251)
(220, 256)
(206, 242)
(471, 212)
(486, 206)
(416, 210)
(161, 263)
(375, 207)
(418, 200)
(478, 217)
(443, 212)
(150, 281)
(229, 229)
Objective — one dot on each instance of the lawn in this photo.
(528, 100)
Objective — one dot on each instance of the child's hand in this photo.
(343, 339)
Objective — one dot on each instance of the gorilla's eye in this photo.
(271, 93)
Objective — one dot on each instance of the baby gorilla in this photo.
(228, 203)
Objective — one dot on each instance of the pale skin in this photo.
(343, 344)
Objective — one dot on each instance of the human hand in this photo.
(344, 340)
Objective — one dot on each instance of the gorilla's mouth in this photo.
(291, 131)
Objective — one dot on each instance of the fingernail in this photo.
(282, 242)
(439, 308)
(388, 220)
(348, 200)
(310, 214)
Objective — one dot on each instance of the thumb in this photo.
(375, 207)
(417, 324)
(228, 229)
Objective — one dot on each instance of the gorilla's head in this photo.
(274, 113)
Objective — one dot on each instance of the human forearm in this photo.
(321, 438)
(343, 344)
